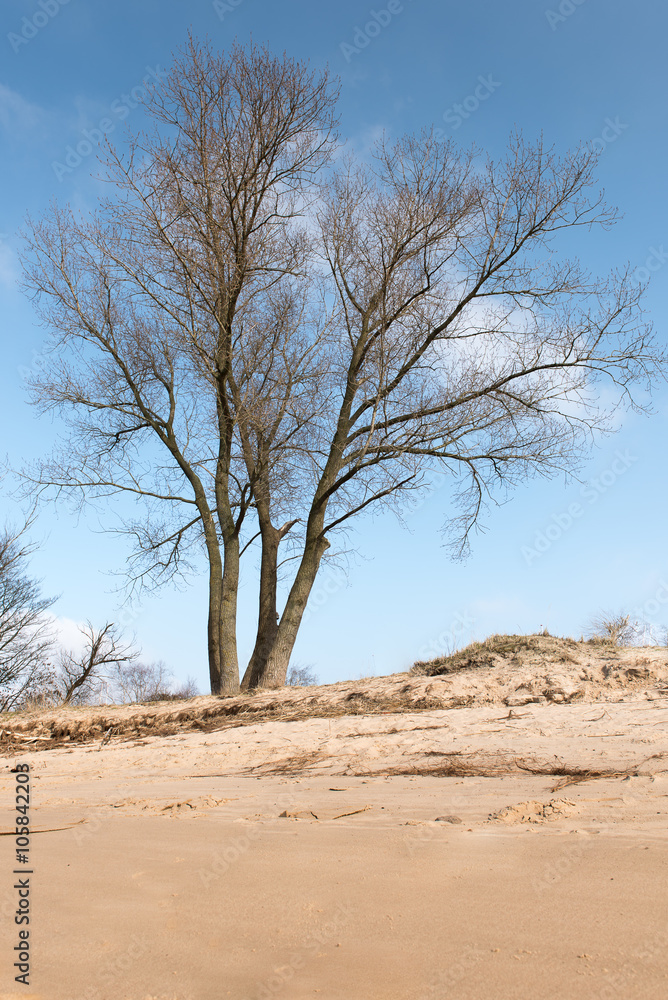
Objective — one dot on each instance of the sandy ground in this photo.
(505, 852)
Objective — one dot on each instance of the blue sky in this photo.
(592, 71)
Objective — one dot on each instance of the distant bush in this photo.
(301, 677)
(619, 629)
(187, 690)
(616, 628)
(147, 682)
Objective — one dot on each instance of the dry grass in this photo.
(479, 655)
(289, 766)
(460, 765)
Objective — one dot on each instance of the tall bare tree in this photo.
(274, 346)
(465, 343)
(155, 294)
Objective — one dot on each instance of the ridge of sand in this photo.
(511, 671)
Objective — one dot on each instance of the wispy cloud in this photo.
(17, 114)
(362, 143)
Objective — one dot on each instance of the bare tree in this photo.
(465, 345)
(649, 633)
(253, 361)
(80, 674)
(155, 297)
(26, 633)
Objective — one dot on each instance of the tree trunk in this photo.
(213, 626)
(278, 660)
(229, 660)
(267, 628)
(221, 628)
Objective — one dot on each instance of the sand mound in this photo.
(509, 671)
(543, 668)
(534, 812)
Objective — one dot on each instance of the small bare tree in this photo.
(81, 674)
(650, 633)
(26, 633)
(187, 689)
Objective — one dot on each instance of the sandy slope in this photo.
(504, 670)
(465, 852)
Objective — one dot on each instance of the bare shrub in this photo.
(42, 693)
(187, 690)
(147, 682)
(617, 629)
(299, 676)
(142, 682)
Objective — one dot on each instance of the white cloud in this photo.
(18, 114)
(68, 634)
